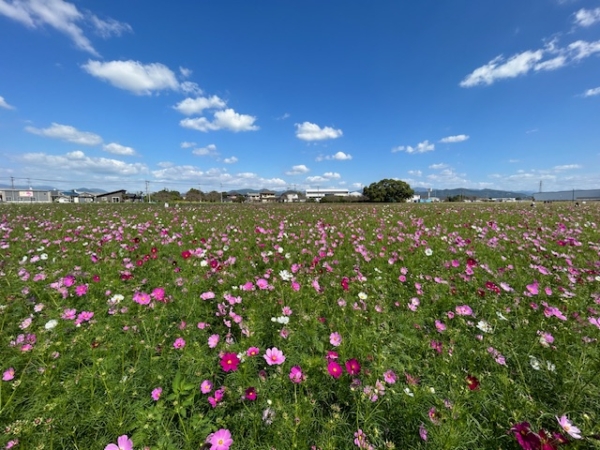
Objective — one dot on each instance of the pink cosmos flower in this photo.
(567, 425)
(179, 343)
(206, 387)
(274, 356)
(8, 374)
(220, 440)
(253, 351)
(439, 325)
(156, 393)
(207, 295)
(464, 310)
(158, 294)
(423, 432)
(81, 290)
(296, 375)
(123, 443)
(334, 369)
(262, 283)
(213, 340)
(389, 377)
(335, 339)
(142, 298)
(229, 362)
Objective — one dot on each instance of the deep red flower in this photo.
(250, 394)
(186, 254)
(472, 383)
(154, 250)
(526, 438)
(229, 362)
(345, 283)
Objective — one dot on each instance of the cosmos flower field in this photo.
(469, 326)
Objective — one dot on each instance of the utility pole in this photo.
(221, 192)
(147, 193)
(12, 182)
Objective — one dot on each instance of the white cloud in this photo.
(133, 76)
(453, 139)
(110, 27)
(415, 173)
(587, 17)
(214, 178)
(210, 149)
(332, 175)
(438, 166)
(339, 156)
(311, 132)
(63, 17)
(317, 179)
(185, 72)
(188, 144)
(189, 87)
(227, 119)
(531, 60)
(499, 68)
(231, 160)
(4, 104)
(298, 170)
(592, 92)
(78, 162)
(567, 167)
(284, 116)
(422, 147)
(191, 106)
(118, 149)
(67, 133)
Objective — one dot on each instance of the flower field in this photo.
(469, 326)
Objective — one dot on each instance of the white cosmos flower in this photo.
(534, 363)
(51, 324)
(484, 326)
(428, 252)
(362, 296)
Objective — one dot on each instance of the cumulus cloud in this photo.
(567, 167)
(78, 162)
(227, 119)
(438, 166)
(587, 17)
(196, 105)
(216, 177)
(415, 173)
(339, 156)
(133, 76)
(67, 133)
(422, 147)
(531, 60)
(307, 131)
(592, 92)
(298, 170)
(453, 139)
(332, 175)
(118, 149)
(188, 144)
(210, 149)
(231, 160)
(316, 179)
(63, 17)
(4, 104)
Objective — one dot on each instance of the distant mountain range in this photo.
(478, 193)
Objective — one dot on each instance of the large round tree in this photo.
(388, 190)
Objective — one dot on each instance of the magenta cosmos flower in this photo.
(8, 374)
(123, 443)
(230, 362)
(179, 343)
(274, 356)
(253, 351)
(334, 369)
(156, 393)
(220, 440)
(353, 367)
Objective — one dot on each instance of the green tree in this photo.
(388, 190)
(166, 196)
(194, 195)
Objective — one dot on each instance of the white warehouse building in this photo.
(318, 194)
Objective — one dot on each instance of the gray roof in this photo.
(572, 195)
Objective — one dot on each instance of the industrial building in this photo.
(574, 195)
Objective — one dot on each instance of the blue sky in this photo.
(287, 94)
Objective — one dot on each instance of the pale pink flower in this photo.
(213, 340)
(567, 425)
(8, 374)
(274, 356)
(123, 443)
(179, 343)
(335, 339)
